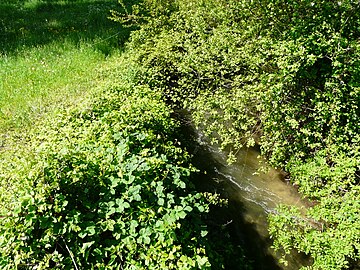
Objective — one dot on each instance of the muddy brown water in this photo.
(252, 196)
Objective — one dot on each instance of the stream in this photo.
(252, 196)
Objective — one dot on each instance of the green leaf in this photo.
(161, 201)
(87, 245)
(82, 234)
(91, 230)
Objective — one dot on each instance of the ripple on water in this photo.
(253, 194)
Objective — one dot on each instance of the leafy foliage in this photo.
(103, 186)
(197, 60)
(283, 74)
(310, 126)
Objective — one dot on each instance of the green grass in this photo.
(38, 22)
(50, 54)
(39, 78)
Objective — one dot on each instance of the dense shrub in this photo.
(199, 59)
(103, 186)
(284, 74)
(310, 125)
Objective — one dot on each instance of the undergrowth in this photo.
(284, 75)
(104, 185)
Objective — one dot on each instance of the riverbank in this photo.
(93, 176)
(286, 72)
(242, 69)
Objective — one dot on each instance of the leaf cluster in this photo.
(281, 74)
(103, 186)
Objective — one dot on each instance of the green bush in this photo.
(104, 186)
(279, 73)
(199, 60)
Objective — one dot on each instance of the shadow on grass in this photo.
(38, 22)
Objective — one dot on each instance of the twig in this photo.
(71, 256)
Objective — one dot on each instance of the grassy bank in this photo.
(103, 185)
(38, 79)
(286, 77)
(92, 175)
(50, 53)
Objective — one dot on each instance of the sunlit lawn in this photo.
(50, 53)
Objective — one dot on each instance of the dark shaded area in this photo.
(249, 245)
(33, 23)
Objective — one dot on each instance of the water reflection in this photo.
(252, 196)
